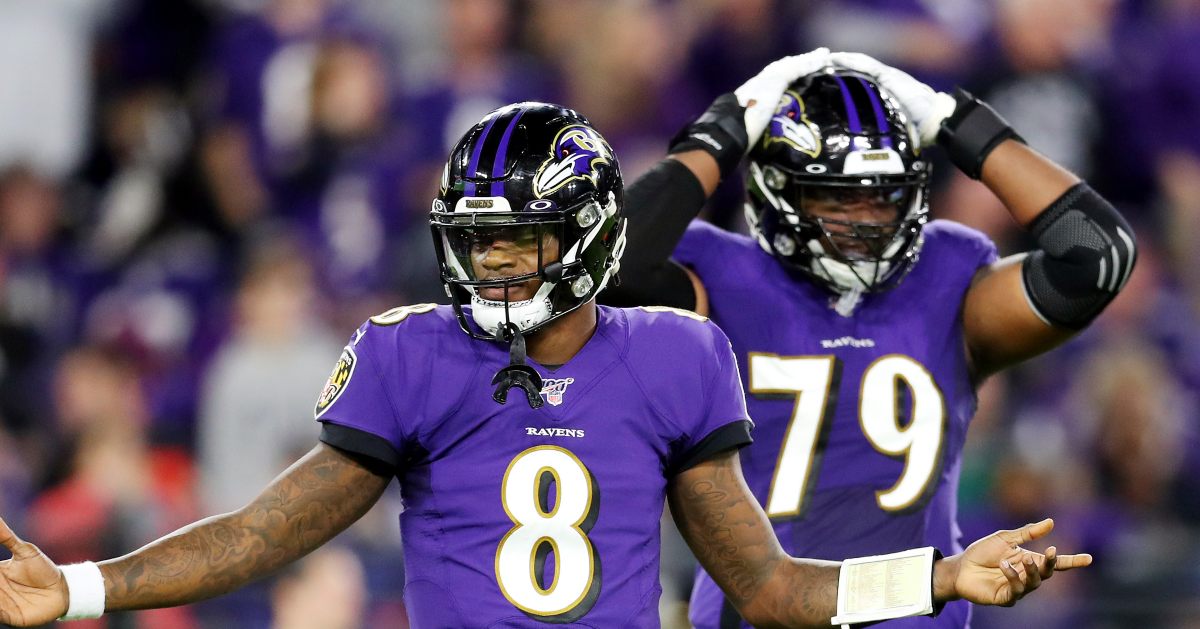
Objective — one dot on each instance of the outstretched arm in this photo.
(732, 538)
(734, 541)
(316, 498)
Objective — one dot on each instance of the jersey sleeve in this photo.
(355, 408)
(719, 420)
(698, 243)
(973, 247)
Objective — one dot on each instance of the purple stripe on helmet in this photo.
(851, 109)
(469, 188)
(880, 117)
(501, 154)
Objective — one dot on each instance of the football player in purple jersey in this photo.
(526, 511)
(861, 328)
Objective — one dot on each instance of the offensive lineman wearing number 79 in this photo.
(519, 512)
(861, 331)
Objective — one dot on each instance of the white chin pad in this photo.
(524, 314)
(851, 276)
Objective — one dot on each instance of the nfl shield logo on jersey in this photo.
(554, 388)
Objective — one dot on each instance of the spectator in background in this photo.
(1137, 417)
(36, 292)
(255, 417)
(117, 491)
(256, 404)
(259, 82)
(479, 69)
(933, 40)
(349, 188)
(1038, 78)
(39, 303)
(45, 64)
(623, 72)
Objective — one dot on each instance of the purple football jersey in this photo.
(516, 517)
(860, 420)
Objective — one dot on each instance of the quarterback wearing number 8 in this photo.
(861, 327)
(518, 512)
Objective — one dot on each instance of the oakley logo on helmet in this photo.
(791, 127)
(575, 153)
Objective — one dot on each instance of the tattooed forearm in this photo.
(315, 499)
(734, 541)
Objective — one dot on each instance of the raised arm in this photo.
(1029, 303)
(315, 499)
(1025, 304)
(661, 203)
(734, 541)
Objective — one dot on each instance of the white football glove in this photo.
(762, 93)
(925, 107)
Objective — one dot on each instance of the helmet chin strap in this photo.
(493, 316)
(518, 373)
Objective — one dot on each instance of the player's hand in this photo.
(762, 93)
(735, 121)
(32, 589)
(925, 107)
(997, 571)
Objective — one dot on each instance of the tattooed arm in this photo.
(734, 541)
(316, 498)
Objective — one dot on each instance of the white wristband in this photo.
(85, 591)
(883, 587)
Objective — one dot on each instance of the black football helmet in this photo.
(536, 170)
(837, 141)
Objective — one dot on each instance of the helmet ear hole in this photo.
(529, 164)
(837, 132)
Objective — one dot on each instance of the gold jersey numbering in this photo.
(812, 380)
(539, 530)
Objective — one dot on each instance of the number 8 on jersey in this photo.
(542, 527)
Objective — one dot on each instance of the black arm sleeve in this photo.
(1086, 252)
(660, 204)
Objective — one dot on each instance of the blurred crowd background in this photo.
(201, 199)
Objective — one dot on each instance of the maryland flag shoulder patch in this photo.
(342, 372)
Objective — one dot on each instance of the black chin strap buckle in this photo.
(517, 373)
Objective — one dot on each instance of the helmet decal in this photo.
(792, 127)
(575, 154)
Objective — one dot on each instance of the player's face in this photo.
(502, 252)
(860, 221)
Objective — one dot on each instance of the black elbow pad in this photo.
(1086, 252)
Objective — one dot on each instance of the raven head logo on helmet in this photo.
(537, 175)
(576, 153)
(836, 187)
(792, 127)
